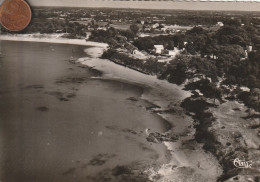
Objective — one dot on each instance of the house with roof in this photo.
(220, 24)
(249, 48)
(155, 25)
(173, 52)
(158, 49)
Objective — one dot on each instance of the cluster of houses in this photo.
(168, 28)
(160, 50)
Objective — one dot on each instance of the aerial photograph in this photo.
(130, 91)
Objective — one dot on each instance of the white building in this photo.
(221, 24)
(87, 35)
(101, 28)
(250, 48)
(174, 52)
(155, 25)
(85, 19)
(158, 49)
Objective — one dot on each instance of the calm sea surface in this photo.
(59, 125)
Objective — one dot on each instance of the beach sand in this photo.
(50, 38)
(188, 161)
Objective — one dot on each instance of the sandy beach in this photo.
(50, 38)
(188, 161)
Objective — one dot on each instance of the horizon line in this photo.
(133, 8)
(154, 5)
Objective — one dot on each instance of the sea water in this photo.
(60, 121)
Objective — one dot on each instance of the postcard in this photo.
(129, 91)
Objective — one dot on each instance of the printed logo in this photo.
(242, 163)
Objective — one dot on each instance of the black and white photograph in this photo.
(129, 91)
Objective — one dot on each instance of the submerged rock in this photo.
(158, 138)
(43, 108)
(132, 99)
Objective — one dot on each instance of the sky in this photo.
(246, 5)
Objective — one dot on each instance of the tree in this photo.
(152, 66)
(210, 47)
(204, 66)
(145, 43)
(228, 55)
(128, 34)
(170, 46)
(233, 22)
(190, 48)
(197, 30)
(134, 28)
(176, 70)
(177, 73)
(232, 35)
(216, 92)
(251, 81)
(256, 94)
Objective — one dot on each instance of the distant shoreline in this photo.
(50, 38)
(183, 5)
(164, 9)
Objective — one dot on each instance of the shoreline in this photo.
(167, 98)
(50, 38)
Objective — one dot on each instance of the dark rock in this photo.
(33, 87)
(130, 131)
(172, 110)
(43, 108)
(236, 109)
(153, 106)
(236, 178)
(71, 95)
(158, 138)
(121, 170)
(69, 171)
(64, 99)
(252, 116)
(97, 162)
(229, 174)
(237, 135)
(100, 159)
(254, 127)
(132, 99)
(71, 80)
